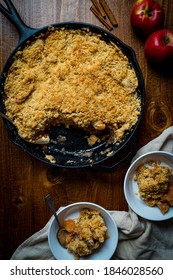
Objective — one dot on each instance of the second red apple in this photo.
(159, 47)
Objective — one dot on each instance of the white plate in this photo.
(107, 249)
(131, 190)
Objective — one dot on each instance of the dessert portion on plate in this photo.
(155, 183)
(72, 78)
(86, 233)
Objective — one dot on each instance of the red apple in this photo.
(159, 46)
(147, 16)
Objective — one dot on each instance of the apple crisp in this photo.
(86, 233)
(73, 78)
(155, 184)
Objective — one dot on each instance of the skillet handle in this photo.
(12, 14)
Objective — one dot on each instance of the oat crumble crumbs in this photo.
(75, 78)
(155, 184)
(86, 233)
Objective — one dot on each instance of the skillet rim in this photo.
(126, 49)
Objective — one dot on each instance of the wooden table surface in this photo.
(26, 181)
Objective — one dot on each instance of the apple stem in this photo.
(150, 14)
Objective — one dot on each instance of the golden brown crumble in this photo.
(86, 233)
(155, 184)
(72, 77)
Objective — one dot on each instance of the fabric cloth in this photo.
(139, 239)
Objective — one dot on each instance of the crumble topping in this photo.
(155, 184)
(86, 233)
(74, 78)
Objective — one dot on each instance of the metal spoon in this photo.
(40, 141)
(61, 234)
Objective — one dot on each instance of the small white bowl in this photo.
(131, 190)
(72, 211)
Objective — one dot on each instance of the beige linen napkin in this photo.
(139, 239)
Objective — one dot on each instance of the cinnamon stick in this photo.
(98, 15)
(108, 12)
(99, 8)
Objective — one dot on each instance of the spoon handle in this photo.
(49, 202)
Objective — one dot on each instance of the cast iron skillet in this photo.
(74, 152)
